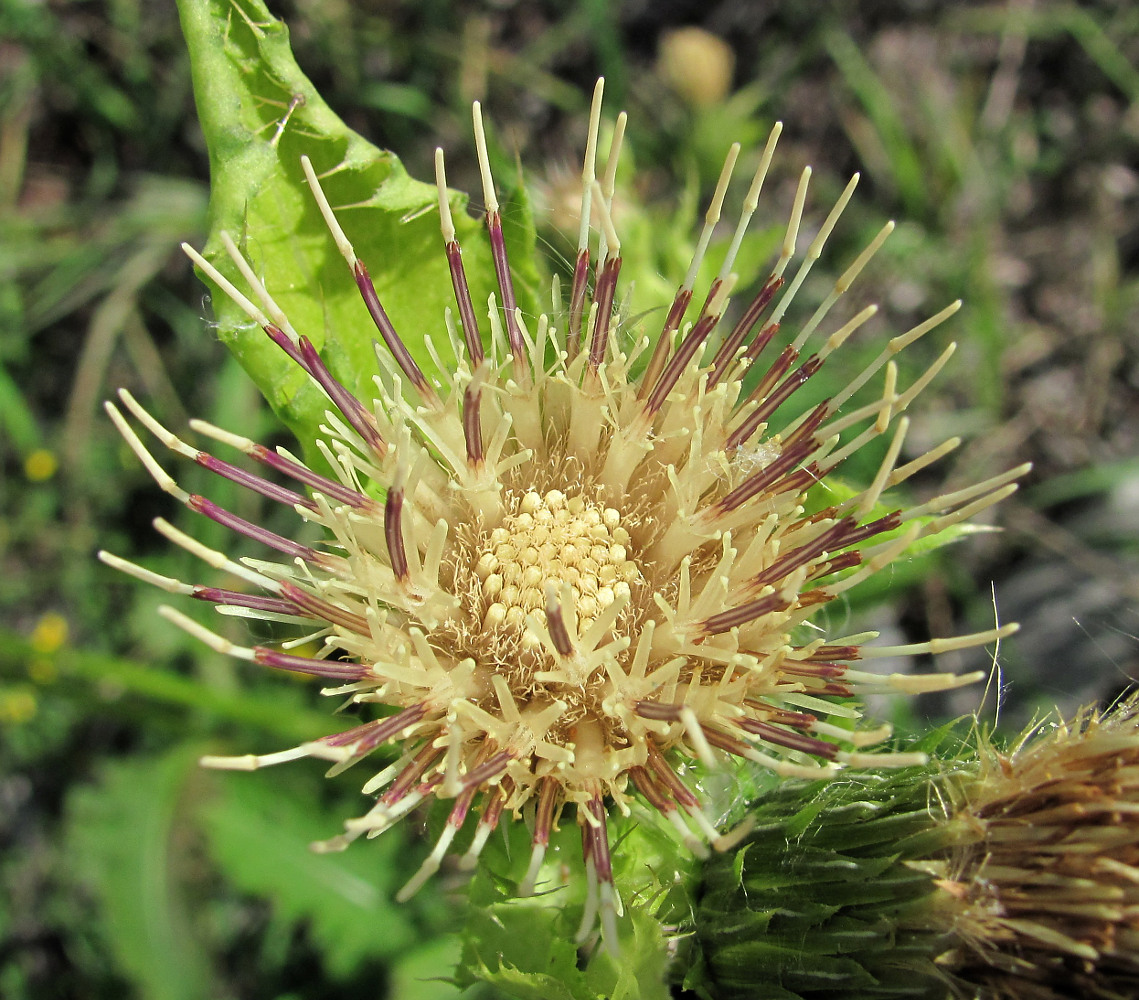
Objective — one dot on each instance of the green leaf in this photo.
(16, 416)
(425, 973)
(260, 114)
(125, 841)
(638, 973)
(526, 946)
(269, 711)
(259, 830)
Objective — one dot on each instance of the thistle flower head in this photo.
(1041, 891)
(991, 873)
(582, 556)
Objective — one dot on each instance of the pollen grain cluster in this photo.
(585, 555)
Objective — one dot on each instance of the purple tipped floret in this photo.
(603, 296)
(305, 355)
(463, 300)
(254, 531)
(333, 670)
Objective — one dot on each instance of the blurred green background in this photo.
(1005, 140)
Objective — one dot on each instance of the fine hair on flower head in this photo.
(581, 557)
